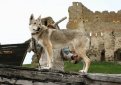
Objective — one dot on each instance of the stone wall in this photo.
(103, 27)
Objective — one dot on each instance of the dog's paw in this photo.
(47, 67)
(39, 68)
(83, 72)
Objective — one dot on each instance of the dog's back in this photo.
(65, 34)
(65, 37)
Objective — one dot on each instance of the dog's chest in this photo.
(40, 42)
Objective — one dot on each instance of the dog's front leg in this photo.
(49, 52)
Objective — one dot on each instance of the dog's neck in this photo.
(39, 31)
(35, 33)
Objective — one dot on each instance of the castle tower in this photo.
(75, 15)
(100, 25)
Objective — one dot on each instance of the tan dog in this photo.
(53, 38)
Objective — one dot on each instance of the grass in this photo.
(96, 67)
(28, 65)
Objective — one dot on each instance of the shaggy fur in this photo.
(54, 38)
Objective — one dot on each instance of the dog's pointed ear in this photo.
(39, 18)
(31, 17)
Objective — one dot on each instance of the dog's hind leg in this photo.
(83, 66)
(86, 62)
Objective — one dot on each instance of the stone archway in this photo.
(117, 55)
(103, 55)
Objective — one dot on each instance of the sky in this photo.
(14, 16)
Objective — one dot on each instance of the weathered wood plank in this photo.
(39, 75)
(11, 75)
(114, 78)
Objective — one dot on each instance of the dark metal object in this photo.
(13, 54)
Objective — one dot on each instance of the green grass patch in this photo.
(27, 65)
(105, 67)
(69, 67)
(95, 67)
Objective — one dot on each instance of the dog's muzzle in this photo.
(36, 31)
(38, 28)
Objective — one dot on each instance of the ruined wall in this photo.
(103, 27)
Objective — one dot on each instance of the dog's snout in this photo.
(38, 28)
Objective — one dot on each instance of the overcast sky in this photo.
(14, 15)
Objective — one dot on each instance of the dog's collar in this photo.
(38, 32)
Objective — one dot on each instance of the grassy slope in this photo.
(96, 67)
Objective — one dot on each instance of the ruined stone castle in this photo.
(103, 28)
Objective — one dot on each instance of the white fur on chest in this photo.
(40, 42)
